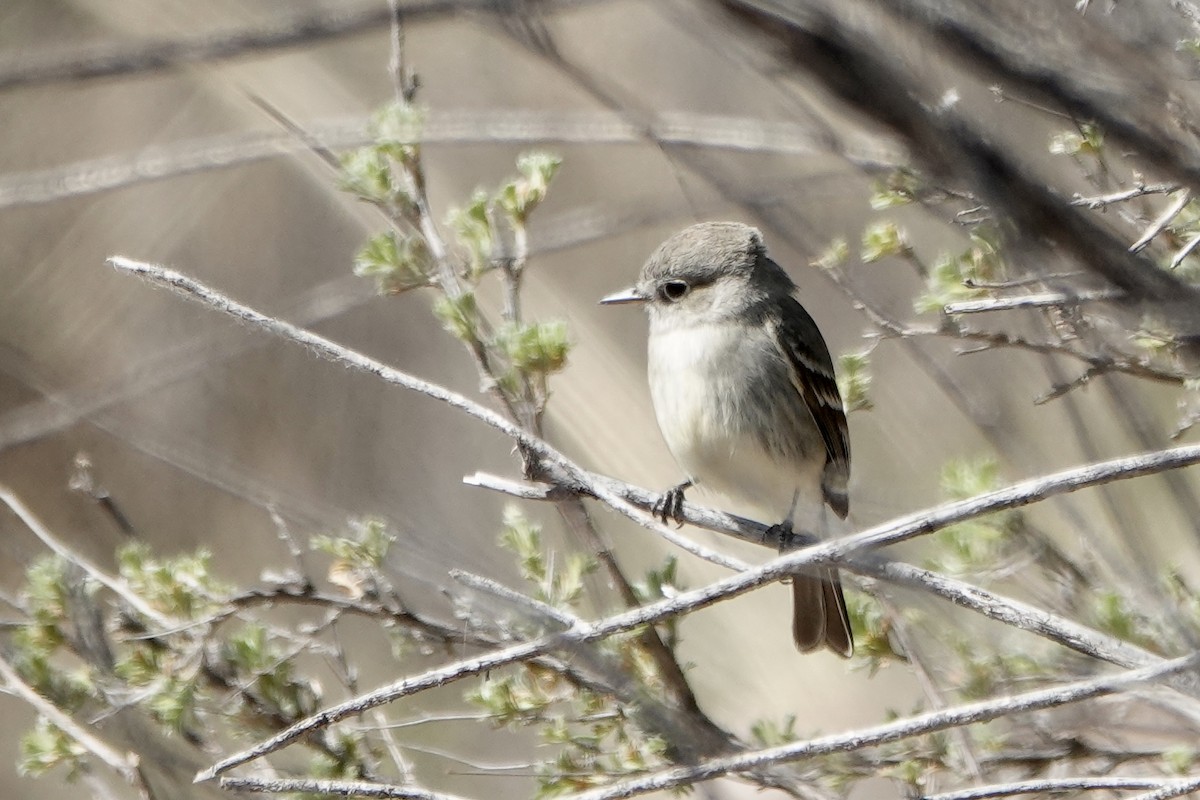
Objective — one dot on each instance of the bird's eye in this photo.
(674, 290)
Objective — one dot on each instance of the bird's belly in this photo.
(700, 379)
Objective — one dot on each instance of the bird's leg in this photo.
(783, 530)
(670, 505)
(783, 533)
(789, 539)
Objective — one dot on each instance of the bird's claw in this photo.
(782, 531)
(670, 505)
(788, 539)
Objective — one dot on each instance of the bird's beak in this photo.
(630, 295)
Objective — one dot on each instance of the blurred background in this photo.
(664, 113)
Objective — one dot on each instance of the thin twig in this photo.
(1162, 221)
(631, 508)
(1167, 792)
(118, 587)
(1138, 190)
(1050, 785)
(1027, 280)
(124, 59)
(336, 788)
(917, 725)
(545, 611)
(1040, 300)
(1185, 251)
(443, 127)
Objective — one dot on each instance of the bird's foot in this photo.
(670, 505)
(782, 532)
(788, 539)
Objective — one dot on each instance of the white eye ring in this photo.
(674, 290)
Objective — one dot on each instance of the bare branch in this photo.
(1178, 789)
(126, 764)
(1007, 610)
(1124, 195)
(1053, 785)
(121, 59)
(1162, 221)
(1185, 251)
(8, 498)
(317, 786)
(1040, 300)
(967, 714)
(444, 127)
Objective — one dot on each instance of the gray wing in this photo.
(813, 377)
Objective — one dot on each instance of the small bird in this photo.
(746, 399)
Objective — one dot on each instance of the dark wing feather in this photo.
(813, 377)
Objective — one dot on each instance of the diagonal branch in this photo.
(107, 61)
(968, 714)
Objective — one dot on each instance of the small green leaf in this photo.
(459, 316)
(365, 545)
(770, 733)
(182, 586)
(899, 188)
(518, 198)
(835, 255)
(1088, 140)
(472, 228)
(981, 261)
(46, 747)
(975, 545)
(523, 538)
(883, 239)
(873, 647)
(367, 174)
(397, 129)
(1179, 759)
(854, 380)
(396, 263)
(539, 347)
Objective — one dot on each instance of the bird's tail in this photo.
(819, 615)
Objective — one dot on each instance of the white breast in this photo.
(699, 377)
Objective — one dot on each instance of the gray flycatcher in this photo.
(745, 395)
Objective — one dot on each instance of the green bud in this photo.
(460, 317)
(519, 197)
(182, 586)
(396, 263)
(536, 347)
(523, 538)
(978, 544)
(898, 189)
(367, 174)
(980, 261)
(835, 255)
(473, 230)
(397, 128)
(770, 733)
(1179, 759)
(46, 747)
(854, 380)
(1088, 140)
(366, 544)
(881, 240)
